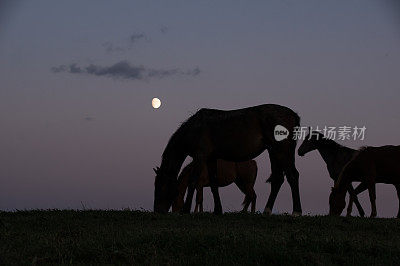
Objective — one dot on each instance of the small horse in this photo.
(335, 156)
(370, 166)
(237, 136)
(243, 174)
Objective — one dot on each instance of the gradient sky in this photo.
(73, 136)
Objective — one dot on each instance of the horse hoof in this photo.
(267, 211)
(296, 214)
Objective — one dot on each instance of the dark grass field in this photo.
(134, 237)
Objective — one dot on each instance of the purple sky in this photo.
(77, 79)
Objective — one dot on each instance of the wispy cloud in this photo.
(89, 119)
(136, 37)
(125, 70)
(164, 29)
(110, 47)
(133, 39)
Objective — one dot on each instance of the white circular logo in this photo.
(280, 133)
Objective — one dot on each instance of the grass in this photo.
(136, 237)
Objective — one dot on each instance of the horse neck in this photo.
(329, 150)
(183, 179)
(172, 162)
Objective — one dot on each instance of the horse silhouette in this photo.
(243, 174)
(237, 136)
(370, 166)
(335, 156)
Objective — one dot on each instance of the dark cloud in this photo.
(164, 29)
(124, 70)
(110, 47)
(89, 118)
(136, 37)
(61, 68)
(133, 38)
(73, 68)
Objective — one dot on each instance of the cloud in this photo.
(164, 29)
(136, 37)
(89, 118)
(133, 38)
(125, 70)
(110, 47)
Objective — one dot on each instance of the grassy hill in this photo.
(134, 237)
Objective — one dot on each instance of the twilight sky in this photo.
(77, 79)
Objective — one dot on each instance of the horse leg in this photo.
(287, 161)
(199, 200)
(353, 198)
(244, 190)
(397, 186)
(196, 177)
(372, 198)
(276, 179)
(246, 203)
(251, 197)
(253, 200)
(212, 177)
(350, 205)
(292, 176)
(189, 197)
(360, 188)
(217, 200)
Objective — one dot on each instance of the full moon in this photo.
(156, 103)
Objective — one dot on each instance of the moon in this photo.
(156, 103)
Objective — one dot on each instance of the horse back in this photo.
(250, 129)
(383, 162)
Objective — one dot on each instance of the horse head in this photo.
(310, 142)
(165, 190)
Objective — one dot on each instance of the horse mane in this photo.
(329, 142)
(362, 148)
(175, 142)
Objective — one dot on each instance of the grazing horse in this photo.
(335, 156)
(237, 136)
(243, 174)
(370, 166)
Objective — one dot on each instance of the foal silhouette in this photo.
(370, 166)
(243, 174)
(335, 156)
